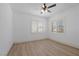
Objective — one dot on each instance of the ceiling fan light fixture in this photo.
(44, 8)
(44, 11)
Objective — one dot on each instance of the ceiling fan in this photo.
(44, 8)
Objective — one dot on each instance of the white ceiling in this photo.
(35, 8)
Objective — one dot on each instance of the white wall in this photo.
(22, 28)
(71, 25)
(5, 29)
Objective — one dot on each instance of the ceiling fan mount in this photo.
(45, 8)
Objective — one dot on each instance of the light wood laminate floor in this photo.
(44, 47)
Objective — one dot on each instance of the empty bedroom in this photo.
(39, 29)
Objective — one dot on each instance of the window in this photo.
(58, 26)
(38, 26)
(34, 26)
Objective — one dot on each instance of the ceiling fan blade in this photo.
(49, 11)
(52, 6)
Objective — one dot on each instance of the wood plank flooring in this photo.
(44, 47)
